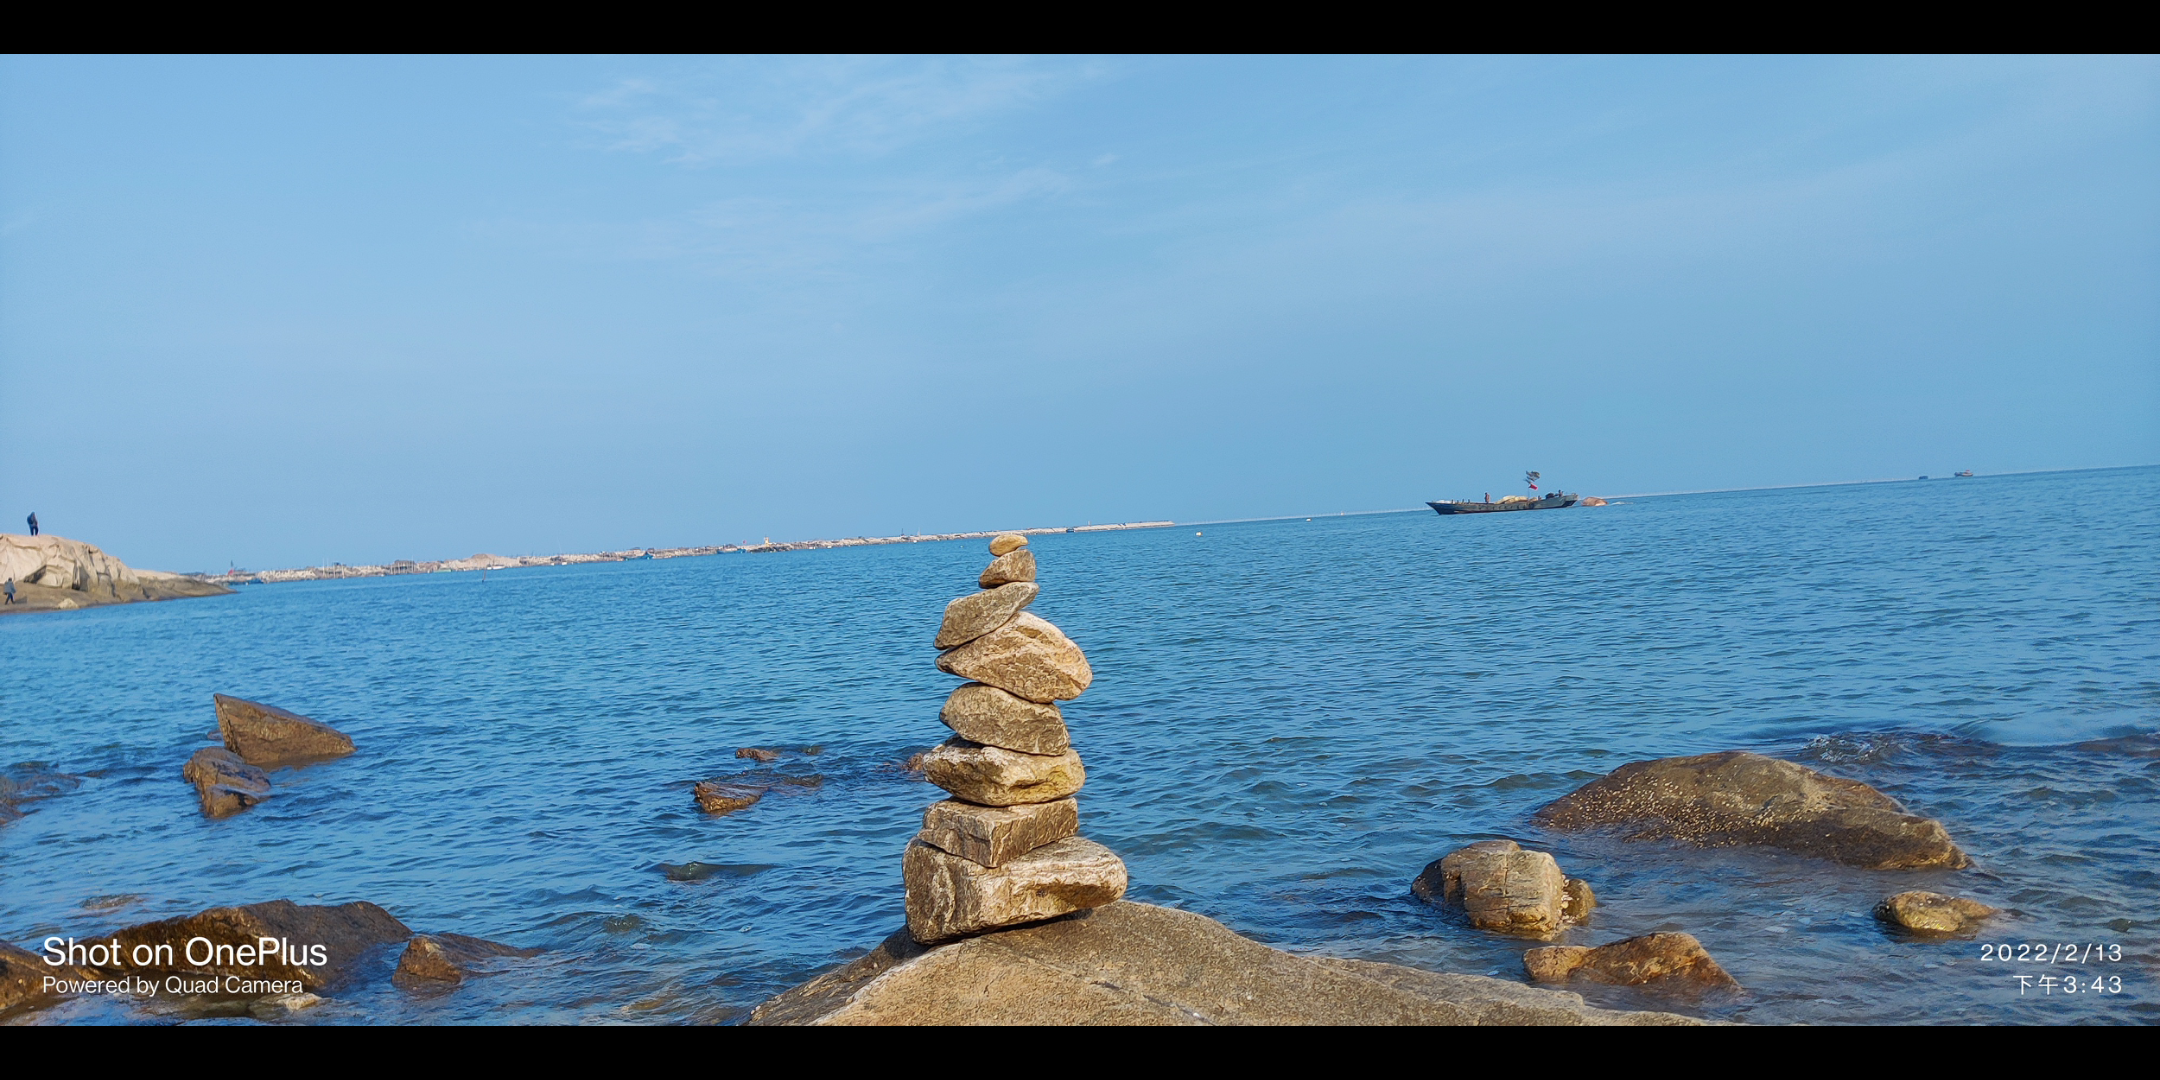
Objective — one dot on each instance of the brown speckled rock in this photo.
(994, 776)
(1499, 886)
(268, 736)
(974, 615)
(1932, 913)
(758, 753)
(441, 961)
(720, 797)
(1027, 657)
(1007, 543)
(1670, 960)
(996, 835)
(226, 784)
(982, 713)
(1016, 565)
(1738, 798)
(950, 897)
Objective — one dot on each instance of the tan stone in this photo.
(1127, 963)
(1735, 797)
(996, 835)
(226, 784)
(268, 736)
(995, 776)
(1671, 960)
(972, 616)
(56, 573)
(1932, 913)
(1007, 568)
(982, 713)
(758, 753)
(717, 797)
(22, 979)
(950, 897)
(1580, 900)
(1007, 543)
(441, 961)
(1027, 657)
(1499, 886)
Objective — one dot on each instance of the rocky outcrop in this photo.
(994, 776)
(1128, 963)
(1738, 798)
(1499, 886)
(971, 617)
(985, 714)
(720, 797)
(22, 979)
(274, 942)
(56, 573)
(1027, 657)
(226, 784)
(270, 737)
(1932, 913)
(437, 962)
(1671, 961)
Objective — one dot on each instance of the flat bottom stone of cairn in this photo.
(952, 897)
(996, 835)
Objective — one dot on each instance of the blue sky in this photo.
(290, 311)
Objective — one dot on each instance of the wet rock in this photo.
(1670, 960)
(994, 776)
(949, 896)
(27, 783)
(1580, 900)
(915, 761)
(1018, 565)
(1932, 913)
(226, 784)
(22, 979)
(996, 835)
(282, 1006)
(1499, 886)
(717, 797)
(982, 713)
(1737, 798)
(264, 944)
(758, 753)
(1027, 657)
(268, 736)
(441, 961)
(1127, 963)
(1007, 543)
(972, 616)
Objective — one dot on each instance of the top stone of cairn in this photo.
(1007, 543)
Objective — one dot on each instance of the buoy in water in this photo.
(1196, 534)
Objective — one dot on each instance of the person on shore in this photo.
(33, 523)
(11, 590)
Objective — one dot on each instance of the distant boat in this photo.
(1967, 473)
(1558, 500)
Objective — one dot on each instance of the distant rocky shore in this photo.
(505, 562)
(54, 573)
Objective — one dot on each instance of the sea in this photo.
(1290, 719)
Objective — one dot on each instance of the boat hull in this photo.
(1549, 502)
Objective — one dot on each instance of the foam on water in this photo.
(1289, 720)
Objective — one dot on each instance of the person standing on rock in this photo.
(33, 523)
(11, 590)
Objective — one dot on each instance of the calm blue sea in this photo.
(1289, 720)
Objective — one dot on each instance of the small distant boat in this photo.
(1967, 473)
(1556, 501)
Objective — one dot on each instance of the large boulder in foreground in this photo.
(1738, 798)
(1136, 964)
(1669, 961)
(260, 949)
(226, 784)
(437, 962)
(268, 736)
(1499, 886)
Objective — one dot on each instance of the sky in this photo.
(287, 311)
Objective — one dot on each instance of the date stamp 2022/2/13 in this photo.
(2057, 954)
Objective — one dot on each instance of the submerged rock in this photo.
(1027, 657)
(1738, 798)
(972, 616)
(1932, 913)
(949, 896)
(22, 979)
(1015, 565)
(1136, 964)
(1499, 886)
(268, 736)
(1007, 543)
(993, 776)
(441, 961)
(758, 753)
(29, 782)
(717, 797)
(996, 835)
(262, 945)
(226, 784)
(982, 713)
(1671, 960)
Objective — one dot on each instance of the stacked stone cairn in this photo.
(1005, 849)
